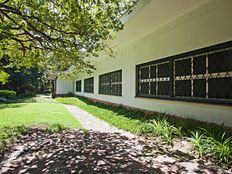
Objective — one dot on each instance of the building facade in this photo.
(172, 57)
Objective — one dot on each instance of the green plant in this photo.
(197, 140)
(206, 144)
(27, 94)
(55, 128)
(7, 94)
(163, 128)
(146, 129)
(222, 151)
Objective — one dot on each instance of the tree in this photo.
(25, 81)
(58, 33)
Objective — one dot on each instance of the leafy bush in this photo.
(27, 94)
(7, 94)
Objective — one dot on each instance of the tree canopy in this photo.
(58, 33)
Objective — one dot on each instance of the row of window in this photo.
(203, 75)
(110, 83)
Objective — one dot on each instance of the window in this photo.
(154, 79)
(111, 83)
(89, 85)
(78, 86)
(203, 75)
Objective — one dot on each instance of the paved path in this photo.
(91, 122)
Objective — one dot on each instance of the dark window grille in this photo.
(203, 75)
(111, 83)
(78, 86)
(154, 79)
(89, 85)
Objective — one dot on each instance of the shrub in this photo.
(7, 94)
(27, 94)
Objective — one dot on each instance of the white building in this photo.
(172, 57)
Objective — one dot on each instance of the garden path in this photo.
(90, 122)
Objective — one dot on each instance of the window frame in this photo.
(85, 85)
(109, 74)
(171, 59)
(79, 81)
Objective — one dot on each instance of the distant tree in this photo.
(58, 33)
(24, 80)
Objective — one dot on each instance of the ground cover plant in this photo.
(210, 141)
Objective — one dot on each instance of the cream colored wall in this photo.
(205, 25)
(64, 86)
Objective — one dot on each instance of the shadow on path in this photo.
(76, 151)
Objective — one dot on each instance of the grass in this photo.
(209, 140)
(30, 114)
(18, 115)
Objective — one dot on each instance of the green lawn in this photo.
(39, 111)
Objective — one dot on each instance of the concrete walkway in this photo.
(91, 122)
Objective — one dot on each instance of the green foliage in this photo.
(3, 77)
(23, 80)
(59, 33)
(222, 150)
(7, 94)
(26, 94)
(55, 128)
(163, 128)
(198, 141)
(207, 145)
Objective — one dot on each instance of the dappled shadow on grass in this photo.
(77, 151)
